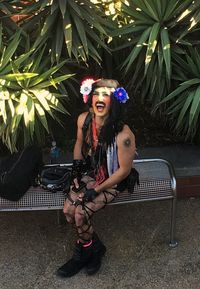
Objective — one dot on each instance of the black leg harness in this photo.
(84, 229)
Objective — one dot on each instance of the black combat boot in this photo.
(79, 260)
(98, 251)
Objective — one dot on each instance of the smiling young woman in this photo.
(109, 145)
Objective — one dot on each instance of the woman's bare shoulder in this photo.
(126, 131)
(125, 134)
(81, 118)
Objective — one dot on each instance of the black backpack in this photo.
(19, 171)
(55, 178)
(58, 177)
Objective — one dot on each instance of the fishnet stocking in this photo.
(85, 211)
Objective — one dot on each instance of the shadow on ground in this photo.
(33, 246)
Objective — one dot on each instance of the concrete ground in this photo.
(33, 246)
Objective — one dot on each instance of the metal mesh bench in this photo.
(157, 182)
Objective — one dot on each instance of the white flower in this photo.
(86, 86)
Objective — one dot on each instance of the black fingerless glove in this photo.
(77, 168)
(90, 195)
(132, 180)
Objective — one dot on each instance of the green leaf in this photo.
(81, 32)
(12, 108)
(139, 16)
(29, 116)
(41, 115)
(54, 6)
(191, 82)
(67, 29)
(50, 20)
(18, 76)
(194, 20)
(166, 51)
(62, 4)
(183, 86)
(10, 84)
(151, 45)
(10, 50)
(95, 37)
(47, 74)
(16, 121)
(1, 34)
(94, 21)
(195, 105)
(184, 109)
(55, 103)
(3, 112)
(41, 97)
(76, 8)
(128, 29)
(134, 53)
(59, 41)
(37, 59)
(53, 82)
(192, 66)
(170, 10)
(18, 62)
(151, 10)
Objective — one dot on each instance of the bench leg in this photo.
(173, 243)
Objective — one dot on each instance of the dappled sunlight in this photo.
(4, 94)
(153, 45)
(2, 81)
(29, 116)
(166, 46)
(20, 109)
(41, 97)
(68, 41)
(3, 110)
(39, 109)
(148, 59)
(52, 99)
(111, 7)
(12, 108)
(68, 26)
(193, 22)
(23, 98)
(184, 14)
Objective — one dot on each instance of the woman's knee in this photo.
(65, 210)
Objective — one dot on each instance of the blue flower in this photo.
(121, 95)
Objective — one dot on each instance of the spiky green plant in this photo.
(156, 30)
(30, 91)
(72, 28)
(184, 101)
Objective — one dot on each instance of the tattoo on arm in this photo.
(127, 142)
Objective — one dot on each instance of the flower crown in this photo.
(86, 87)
